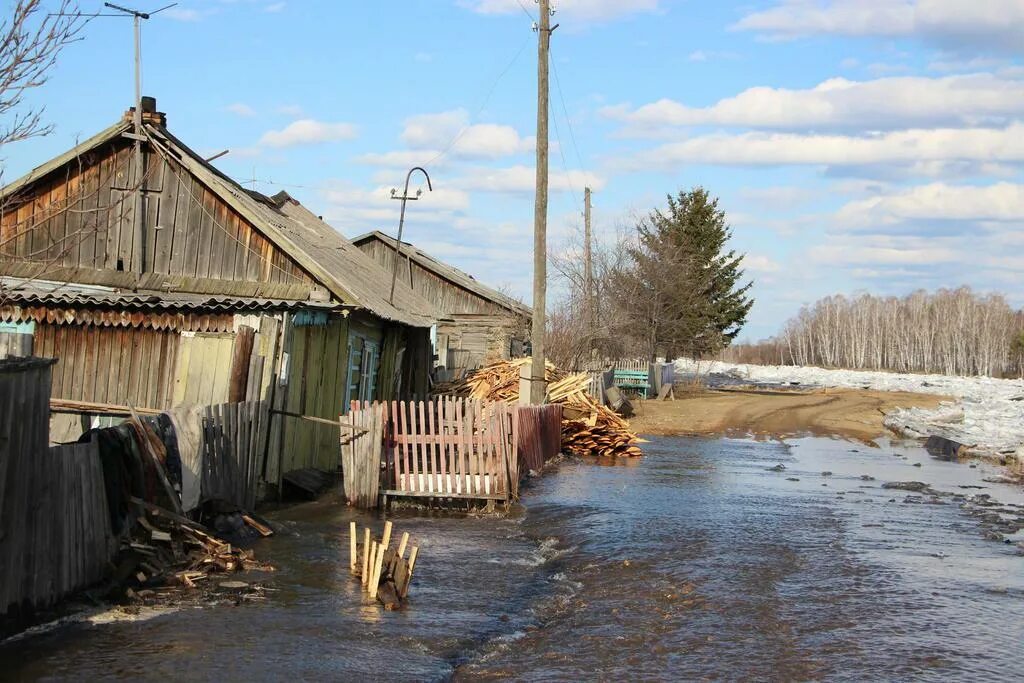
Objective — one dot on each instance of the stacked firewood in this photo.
(588, 428)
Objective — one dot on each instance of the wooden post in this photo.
(386, 540)
(352, 547)
(412, 558)
(366, 556)
(374, 549)
(540, 211)
(403, 543)
(375, 582)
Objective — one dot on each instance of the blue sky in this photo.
(855, 144)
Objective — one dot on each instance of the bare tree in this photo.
(951, 332)
(31, 40)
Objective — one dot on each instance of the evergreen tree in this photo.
(682, 293)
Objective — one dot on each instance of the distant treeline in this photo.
(950, 332)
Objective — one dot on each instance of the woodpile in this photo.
(385, 572)
(588, 428)
(167, 549)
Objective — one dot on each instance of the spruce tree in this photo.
(683, 292)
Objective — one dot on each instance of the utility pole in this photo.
(538, 388)
(588, 271)
(401, 221)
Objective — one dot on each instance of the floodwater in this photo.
(695, 562)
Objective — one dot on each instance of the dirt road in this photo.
(852, 413)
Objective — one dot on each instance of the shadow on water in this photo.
(702, 560)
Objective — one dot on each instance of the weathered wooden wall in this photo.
(537, 433)
(55, 534)
(120, 365)
(82, 216)
(316, 387)
(203, 368)
(444, 294)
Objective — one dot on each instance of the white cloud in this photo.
(758, 263)
(936, 202)
(292, 110)
(955, 24)
(881, 104)
(886, 250)
(405, 158)
(476, 141)
(983, 145)
(307, 132)
(698, 56)
(274, 7)
(183, 14)
(522, 179)
(241, 109)
(587, 10)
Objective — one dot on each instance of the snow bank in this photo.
(984, 414)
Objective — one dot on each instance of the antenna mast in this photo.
(139, 175)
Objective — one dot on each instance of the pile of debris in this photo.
(588, 428)
(166, 549)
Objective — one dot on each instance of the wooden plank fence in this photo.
(234, 446)
(55, 534)
(444, 448)
(362, 448)
(451, 448)
(538, 434)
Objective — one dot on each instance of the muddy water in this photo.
(695, 562)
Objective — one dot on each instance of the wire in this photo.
(568, 121)
(565, 167)
(525, 11)
(487, 98)
(167, 158)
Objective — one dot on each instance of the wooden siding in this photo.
(316, 387)
(119, 365)
(82, 216)
(203, 369)
(445, 295)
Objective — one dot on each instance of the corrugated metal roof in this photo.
(448, 272)
(52, 293)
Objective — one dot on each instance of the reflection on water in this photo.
(697, 561)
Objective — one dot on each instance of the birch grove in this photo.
(950, 332)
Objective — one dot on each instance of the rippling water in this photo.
(696, 562)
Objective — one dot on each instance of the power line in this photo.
(568, 121)
(487, 99)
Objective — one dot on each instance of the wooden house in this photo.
(164, 282)
(481, 324)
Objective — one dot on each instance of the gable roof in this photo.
(457, 277)
(352, 276)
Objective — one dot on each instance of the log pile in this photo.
(588, 428)
(385, 572)
(167, 549)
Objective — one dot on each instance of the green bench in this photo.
(637, 380)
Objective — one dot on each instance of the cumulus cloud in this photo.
(937, 202)
(241, 109)
(838, 103)
(587, 10)
(522, 179)
(308, 132)
(476, 141)
(758, 263)
(983, 145)
(990, 25)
